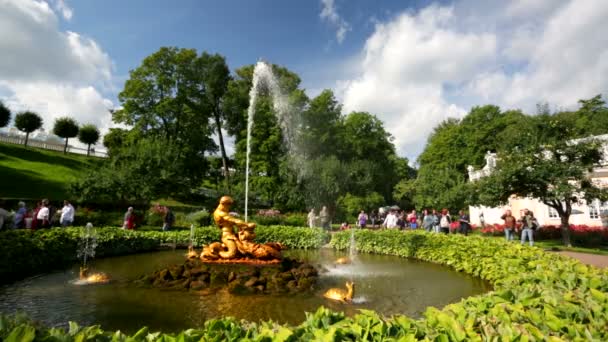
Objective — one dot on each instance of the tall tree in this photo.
(66, 128)
(5, 115)
(115, 139)
(28, 122)
(214, 75)
(89, 135)
(554, 169)
(166, 97)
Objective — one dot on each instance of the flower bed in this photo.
(538, 296)
(580, 235)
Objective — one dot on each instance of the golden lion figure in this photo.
(241, 245)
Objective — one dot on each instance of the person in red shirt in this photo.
(510, 224)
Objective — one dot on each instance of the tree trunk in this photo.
(27, 135)
(565, 228)
(218, 123)
(65, 147)
(88, 150)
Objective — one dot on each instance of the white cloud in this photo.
(66, 11)
(330, 14)
(420, 67)
(47, 70)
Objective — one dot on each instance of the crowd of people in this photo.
(43, 215)
(525, 225)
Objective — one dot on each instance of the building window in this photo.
(553, 213)
(594, 210)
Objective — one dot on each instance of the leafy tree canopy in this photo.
(5, 115)
(27, 122)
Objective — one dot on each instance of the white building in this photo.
(582, 214)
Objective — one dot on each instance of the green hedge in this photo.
(537, 296)
(25, 253)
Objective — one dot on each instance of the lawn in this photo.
(32, 173)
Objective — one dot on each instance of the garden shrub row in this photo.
(25, 253)
(537, 296)
(580, 235)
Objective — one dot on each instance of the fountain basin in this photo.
(387, 284)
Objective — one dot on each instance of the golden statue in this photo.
(343, 261)
(237, 246)
(341, 295)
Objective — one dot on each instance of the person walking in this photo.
(362, 219)
(168, 219)
(510, 224)
(312, 216)
(444, 221)
(529, 223)
(67, 214)
(465, 224)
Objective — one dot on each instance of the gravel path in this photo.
(600, 261)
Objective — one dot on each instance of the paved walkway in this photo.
(589, 259)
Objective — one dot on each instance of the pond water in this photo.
(387, 284)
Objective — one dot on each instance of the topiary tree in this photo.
(28, 122)
(66, 128)
(5, 115)
(88, 134)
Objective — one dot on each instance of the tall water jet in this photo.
(86, 250)
(264, 78)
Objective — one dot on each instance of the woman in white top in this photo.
(43, 215)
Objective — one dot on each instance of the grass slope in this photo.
(37, 173)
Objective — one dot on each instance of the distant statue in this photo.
(490, 160)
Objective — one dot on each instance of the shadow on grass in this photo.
(50, 157)
(28, 184)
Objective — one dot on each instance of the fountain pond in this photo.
(387, 284)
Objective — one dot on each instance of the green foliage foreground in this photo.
(537, 296)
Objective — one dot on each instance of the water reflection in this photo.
(387, 284)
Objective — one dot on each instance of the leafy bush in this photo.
(199, 218)
(25, 253)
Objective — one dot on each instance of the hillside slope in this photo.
(31, 173)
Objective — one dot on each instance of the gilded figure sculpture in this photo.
(341, 295)
(240, 245)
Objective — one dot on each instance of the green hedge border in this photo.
(537, 296)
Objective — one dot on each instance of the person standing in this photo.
(42, 217)
(20, 216)
(312, 216)
(362, 219)
(324, 216)
(67, 214)
(444, 222)
(527, 229)
(510, 224)
(412, 219)
(428, 220)
(465, 224)
(3, 216)
(129, 221)
(374, 218)
(168, 219)
(391, 219)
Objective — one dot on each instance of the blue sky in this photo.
(412, 63)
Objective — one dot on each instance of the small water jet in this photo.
(86, 250)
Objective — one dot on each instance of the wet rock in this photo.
(260, 288)
(306, 284)
(239, 289)
(218, 279)
(231, 276)
(176, 272)
(251, 282)
(196, 285)
(292, 285)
